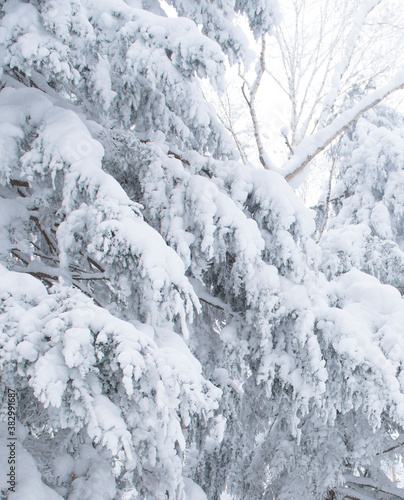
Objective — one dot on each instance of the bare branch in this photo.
(328, 199)
(228, 122)
(21, 256)
(89, 277)
(178, 157)
(19, 183)
(367, 483)
(211, 304)
(342, 66)
(92, 262)
(392, 448)
(261, 71)
(287, 143)
(250, 100)
(52, 246)
(86, 292)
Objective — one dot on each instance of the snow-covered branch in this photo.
(310, 147)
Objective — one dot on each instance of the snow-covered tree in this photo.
(163, 319)
(97, 103)
(365, 231)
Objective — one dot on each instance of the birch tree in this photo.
(317, 57)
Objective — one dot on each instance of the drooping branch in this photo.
(51, 274)
(310, 147)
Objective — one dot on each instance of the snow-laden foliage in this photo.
(366, 230)
(66, 350)
(284, 346)
(112, 397)
(163, 319)
(216, 19)
(132, 64)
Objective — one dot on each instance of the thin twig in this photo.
(250, 100)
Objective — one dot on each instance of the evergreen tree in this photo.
(365, 231)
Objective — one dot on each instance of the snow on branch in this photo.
(310, 147)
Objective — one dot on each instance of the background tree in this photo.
(313, 61)
(368, 207)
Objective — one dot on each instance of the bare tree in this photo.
(321, 53)
(250, 97)
(311, 146)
